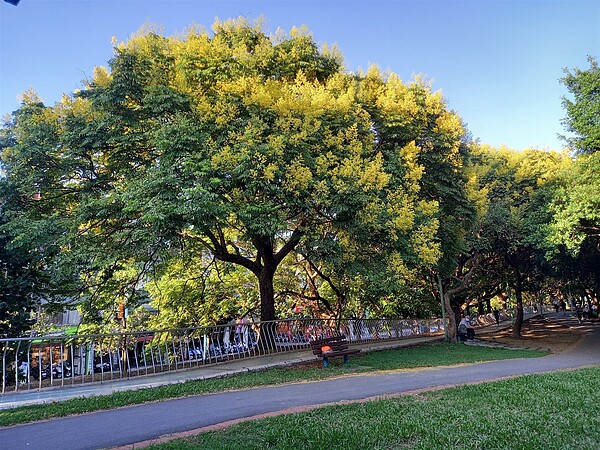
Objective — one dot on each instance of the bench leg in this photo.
(346, 359)
(325, 361)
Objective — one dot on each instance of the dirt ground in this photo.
(538, 333)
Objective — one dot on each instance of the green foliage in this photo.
(423, 147)
(576, 205)
(23, 283)
(17, 289)
(401, 234)
(219, 173)
(243, 148)
(518, 186)
(193, 291)
(183, 140)
(515, 189)
(583, 109)
(572, 234)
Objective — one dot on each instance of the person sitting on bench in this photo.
(465, 327)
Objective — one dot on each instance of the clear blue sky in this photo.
(497, 62)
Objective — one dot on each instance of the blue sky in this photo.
(497, 62)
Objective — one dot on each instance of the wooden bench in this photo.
(338, 345)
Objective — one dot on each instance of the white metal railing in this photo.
(61, 361)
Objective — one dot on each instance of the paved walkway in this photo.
(57, 394)
(217, 370)
(125, 426)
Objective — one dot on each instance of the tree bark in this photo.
(519, 299)
(267, 294)
(263, 267)
(453, 316)
(450, 317)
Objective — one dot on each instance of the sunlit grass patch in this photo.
(547, 411)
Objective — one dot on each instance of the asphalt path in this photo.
(134, 424)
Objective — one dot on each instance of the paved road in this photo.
(143, 422)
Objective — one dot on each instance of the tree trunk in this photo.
(267, 294)
(266, 338)
(480, 307)
(263, 266)
(453, 316)
(450, 317)
(519, 307)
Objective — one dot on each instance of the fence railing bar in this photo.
(116, 356)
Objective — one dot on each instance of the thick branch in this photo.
(221, 253)
(301, 295)
(327, 279)
(288, 246)
(464, 281)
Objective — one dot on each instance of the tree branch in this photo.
(464, 281)
(289, 245)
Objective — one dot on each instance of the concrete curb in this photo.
(217, 370)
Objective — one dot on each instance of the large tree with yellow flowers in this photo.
(234, 142)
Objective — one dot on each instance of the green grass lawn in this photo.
(407, 358)
(548, 411)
